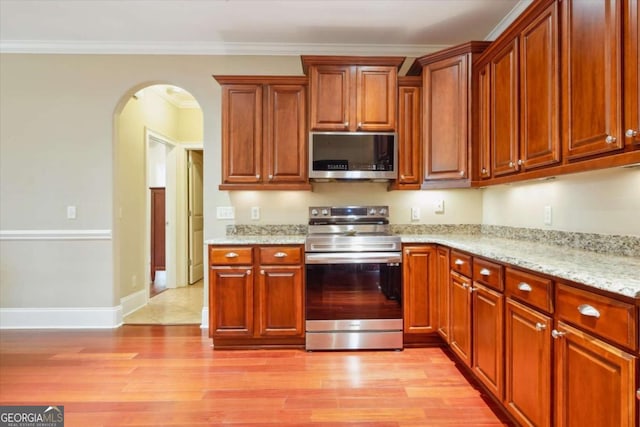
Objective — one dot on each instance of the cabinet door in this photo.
(539, 89)
(231, 302)
(488, 338)
(446, 89)
(419, 274)
(285, 145)
(591, 73)
(330, 93)
(279, 301)
(461, 317)
(241, 133)
(443, 290)
(484, 122)
(528, 365)
(632, 74)
(504, 110)
(595, 382)
(409, 135)
(376, 95)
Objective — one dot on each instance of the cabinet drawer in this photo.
(488, 273)
(530, 288)
(230, 255)
(281, 255)
(461, 263)
(607, 317)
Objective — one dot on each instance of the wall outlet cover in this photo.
(225, 212)
(438, 206)
(255, 213)
(415, 214)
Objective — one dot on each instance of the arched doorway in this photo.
(156, 128)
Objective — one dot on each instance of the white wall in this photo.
(605, 202)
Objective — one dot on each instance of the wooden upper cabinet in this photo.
(591, 36)
(285, 143)
(264, 132)
(539, 91)
(349, 93)
(631, 74)
(504, 113)
(483, 123)
(241, 133)
(409, 133)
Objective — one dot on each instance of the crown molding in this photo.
(508, 19)
(211, 48)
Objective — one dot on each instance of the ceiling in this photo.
(289, 27)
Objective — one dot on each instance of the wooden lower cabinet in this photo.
(279, 311)
(443, 291)
(231, 301)
(528, 365)
(594, 381)
(460, 306)
(260, 303)
(488, 338)
(418, 287)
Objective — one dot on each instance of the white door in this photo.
(196, 223)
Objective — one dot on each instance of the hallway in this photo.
(179, 306)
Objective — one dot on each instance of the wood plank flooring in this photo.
(171, 376)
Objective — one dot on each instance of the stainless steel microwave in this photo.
(353, 155)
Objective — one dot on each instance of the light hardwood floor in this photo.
(171, 376)
(179, 306)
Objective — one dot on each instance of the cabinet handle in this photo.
(461, 173)
(520, 162)
(465, 286)
(525, 287)
(346, 124)
(540, 326)
(257, 176)
(631, 133)
(401, 176)
(557, 334)
(484, 171)
(459, 262)
(610, 139)
(280, 254)
(248, 272)
(485, 272)
(270, 177)
(638, 394)
(262, 272)
(511, 164)
(588, 310)
(471, 289)
(359, 125)
(231, 255)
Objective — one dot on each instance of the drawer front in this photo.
(461, 263)
(488, 273)
(230, 255)
(530, 288)
(281, 255)
(611, 319)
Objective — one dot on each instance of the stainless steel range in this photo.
(353, 279)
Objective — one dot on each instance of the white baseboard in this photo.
(205, 318)
(61, 318)
(133, 302)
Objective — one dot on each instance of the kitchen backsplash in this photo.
(602, 243)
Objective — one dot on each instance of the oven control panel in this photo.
(351, 212)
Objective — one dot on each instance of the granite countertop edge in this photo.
(610, 273)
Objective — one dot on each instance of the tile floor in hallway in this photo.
(177, 306)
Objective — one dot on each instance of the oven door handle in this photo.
(353, 257)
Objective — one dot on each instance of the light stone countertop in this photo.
(617, 274)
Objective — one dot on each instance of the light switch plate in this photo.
(415, 214)
(225, 212)
(438, 206)
(255, 213)
(71, 212)
(547, 215)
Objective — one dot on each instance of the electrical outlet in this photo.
(547, 215)
(225, 212)
(71, 212)
(438, 206)
(255, 213)
(415, 214)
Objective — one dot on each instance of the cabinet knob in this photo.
(485, 272)
(231, 255)
(511, 164)
(461, 173)
(262, 272)
(359, 125)
(458, 262)
(540, 326)
(557, 334)
(631, 133)
(248, 272)
(346, 125)
(525, 287)
(484, 171)
(588, 310)
(401, 176)
(471, 289)
(520, 162)
(257, 176)
(270, 177)
(610, 139)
